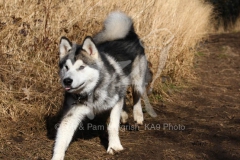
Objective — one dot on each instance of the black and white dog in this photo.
(96, 75)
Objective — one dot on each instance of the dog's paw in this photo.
(114, 148)
(138, 117)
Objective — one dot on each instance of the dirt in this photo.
(200, 121)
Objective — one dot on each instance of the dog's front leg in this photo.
(66, 130)
(113, 129)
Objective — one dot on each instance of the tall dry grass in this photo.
(231, 28)
(30, 32)
(237, 26)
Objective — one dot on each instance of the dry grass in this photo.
(30, 32)
(224, 24)
(231, 28)
(237, 26)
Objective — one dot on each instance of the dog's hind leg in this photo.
(124, 115)
(113, 128)
(67, 128)
(138, 84)
(137, 107)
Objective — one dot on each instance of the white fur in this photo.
(67, 128)
(116, 66)
(137, 73)
(116, 26)
(124, 117)
(69, 64)
(113, 129)
(88, 75)
(137, 112)
(104, 97)
(118, 70)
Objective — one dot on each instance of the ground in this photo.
(198, 121)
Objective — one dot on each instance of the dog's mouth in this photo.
(69, 88)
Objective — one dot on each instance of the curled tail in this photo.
(116, 26)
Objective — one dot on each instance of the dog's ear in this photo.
(90, 47)
(64, 47)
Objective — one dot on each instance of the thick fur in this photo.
(96, 75)
(116, 26)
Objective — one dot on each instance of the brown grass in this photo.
(231, 28)
(237, 26)
(30, 32)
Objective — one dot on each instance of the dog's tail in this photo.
(116, 26)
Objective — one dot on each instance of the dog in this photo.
(96, 75)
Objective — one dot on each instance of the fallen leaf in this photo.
(27, 93)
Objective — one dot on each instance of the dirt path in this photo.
(201, 122)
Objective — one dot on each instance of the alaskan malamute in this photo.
(96, 75)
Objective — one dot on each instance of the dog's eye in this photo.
(81, 67)
(66, 68)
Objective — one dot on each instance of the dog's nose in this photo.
(67, 81)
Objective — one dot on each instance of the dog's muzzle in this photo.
(67, 83)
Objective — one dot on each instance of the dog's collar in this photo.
(80, 98)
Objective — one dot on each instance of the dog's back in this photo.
(119, 40)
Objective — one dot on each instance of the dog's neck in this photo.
(81, 98)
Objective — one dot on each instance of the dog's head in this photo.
(78, 65)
